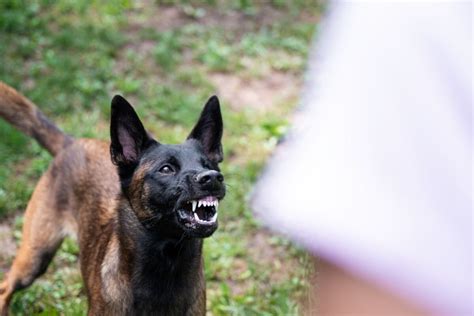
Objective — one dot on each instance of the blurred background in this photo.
(166, 57)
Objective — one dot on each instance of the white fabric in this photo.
(376, 176)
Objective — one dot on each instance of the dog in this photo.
(140, 210)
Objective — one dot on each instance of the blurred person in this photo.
(375, 178)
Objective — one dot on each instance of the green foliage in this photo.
(60, 294)
(247, 6)
(168, 49)
(216, 55)
(70, 57)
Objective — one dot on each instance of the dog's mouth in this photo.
(199, 213)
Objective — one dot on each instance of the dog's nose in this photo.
(209, 177)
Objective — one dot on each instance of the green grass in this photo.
(71, 57)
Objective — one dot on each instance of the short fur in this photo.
(127, 202)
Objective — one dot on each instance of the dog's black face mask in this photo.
(173, 189)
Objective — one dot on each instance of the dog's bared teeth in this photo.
(216, 205)
(200, 203)
(196, 217)
(194, 206)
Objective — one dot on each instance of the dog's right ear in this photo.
(208, 130)
(128, 136)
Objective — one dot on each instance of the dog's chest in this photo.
(168, 282)
(166, 291)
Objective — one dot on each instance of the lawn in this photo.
(167, 58)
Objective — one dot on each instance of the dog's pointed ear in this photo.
(208, 130)
(128, 136)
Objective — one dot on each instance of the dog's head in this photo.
(174, 189)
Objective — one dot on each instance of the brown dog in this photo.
(139, 209)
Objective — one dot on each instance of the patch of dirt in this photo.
(238, 287)
(162, 18)
(144, 47)
(240, 22)
(268, 255)
(258, 93)
(7, 244)
(275, 259)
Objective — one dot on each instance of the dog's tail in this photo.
(25, 116)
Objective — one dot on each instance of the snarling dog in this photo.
(140, 210)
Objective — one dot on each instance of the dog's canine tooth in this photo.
(216, 205)
(199, 203)
(194, 206)
(196, 217)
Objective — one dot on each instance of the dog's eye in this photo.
(167, 169)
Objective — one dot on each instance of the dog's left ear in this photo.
(208, 130)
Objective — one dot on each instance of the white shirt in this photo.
(376, 176)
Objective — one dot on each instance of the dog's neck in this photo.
(165, 272)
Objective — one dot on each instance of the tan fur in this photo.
(116, 291)
(139, 192)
